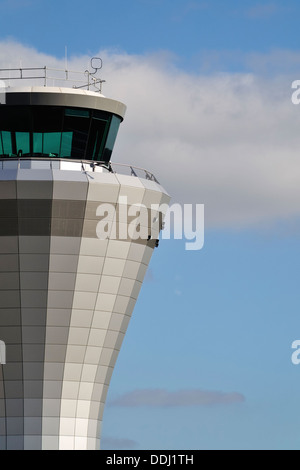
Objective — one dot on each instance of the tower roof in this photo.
(61, 96)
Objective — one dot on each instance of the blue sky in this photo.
(207, 355)
(186, 28)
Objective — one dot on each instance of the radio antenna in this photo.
(96, 64)
(66, 58)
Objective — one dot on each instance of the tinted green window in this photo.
(98, 134)
(111, 138)
(66, 144)
(51, 144)
(22, 142)
(37, 142)
(77, 112)
(6, 141)
(77, 122)
(57, 132)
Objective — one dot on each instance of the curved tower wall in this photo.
(66, 295)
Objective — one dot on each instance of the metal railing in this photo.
(46, 75)
(86, 165)
(131, 170)
(134, 171)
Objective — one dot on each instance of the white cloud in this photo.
(230, 141)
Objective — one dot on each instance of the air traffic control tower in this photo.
(74, 248)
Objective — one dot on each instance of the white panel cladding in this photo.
(70, 304)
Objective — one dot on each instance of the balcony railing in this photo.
(77, 165)
(48, 76)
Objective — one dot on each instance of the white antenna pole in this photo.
(66, 62)
(66, 58)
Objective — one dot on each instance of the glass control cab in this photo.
(58, 122)
(57, 132)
